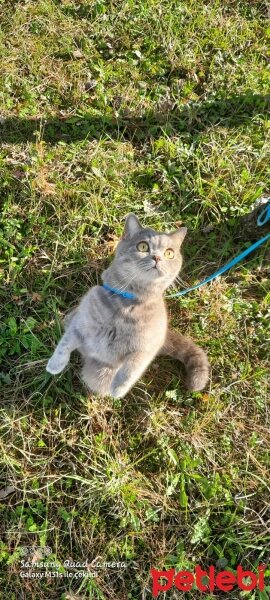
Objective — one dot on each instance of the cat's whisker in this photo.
(180, 281)
(127, 282)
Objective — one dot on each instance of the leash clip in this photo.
(264, 216)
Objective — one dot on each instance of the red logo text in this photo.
(223, 580)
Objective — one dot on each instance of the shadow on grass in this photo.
(89, 11)
(234, 111)
(193, 118)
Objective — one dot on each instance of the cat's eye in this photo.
(169, 253)
(143, 247)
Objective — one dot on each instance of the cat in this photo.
(121, 326)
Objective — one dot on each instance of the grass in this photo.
(162, 108)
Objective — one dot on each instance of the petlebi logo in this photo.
(207, 581)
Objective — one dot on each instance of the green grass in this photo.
(160, 107)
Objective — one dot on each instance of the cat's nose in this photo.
(156, 258)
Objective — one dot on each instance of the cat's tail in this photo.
(194, 359)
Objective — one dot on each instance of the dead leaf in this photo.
(77, 54)
(18, 174)
(4, 492)
(41, 183)
(36, 297)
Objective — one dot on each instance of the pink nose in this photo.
(156, 258)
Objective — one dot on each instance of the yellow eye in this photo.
(169, 253)
(143, 247)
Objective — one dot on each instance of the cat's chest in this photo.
(124, 327)
(128, 318)
(140, 320)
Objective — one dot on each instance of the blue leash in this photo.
(262, 219)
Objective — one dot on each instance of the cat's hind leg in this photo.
(131, 370)
(98, 376)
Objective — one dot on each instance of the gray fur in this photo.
(119, 337)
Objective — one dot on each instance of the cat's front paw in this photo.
(57, 363)
(118, 391)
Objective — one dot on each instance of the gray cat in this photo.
(121, 326)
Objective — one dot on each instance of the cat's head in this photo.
(146, 256)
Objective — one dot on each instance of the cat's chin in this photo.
(157, 274)
(153, 274)
(156, 277)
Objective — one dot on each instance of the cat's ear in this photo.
(132, 226)
(179, 235)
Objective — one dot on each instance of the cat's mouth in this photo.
(156, 269)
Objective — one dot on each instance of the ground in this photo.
(162, 108)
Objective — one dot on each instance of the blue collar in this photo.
(119, 292)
